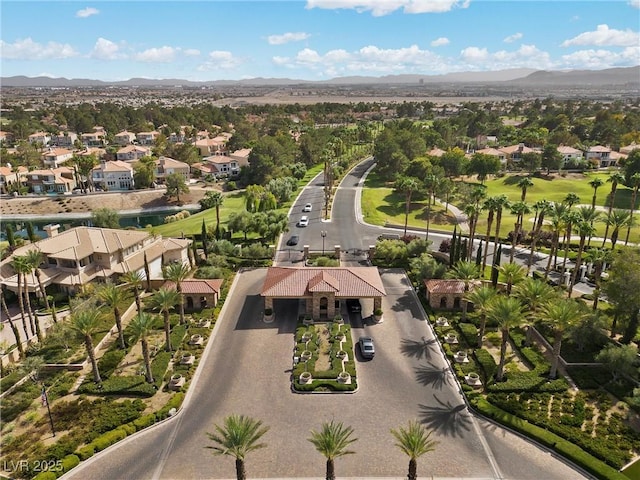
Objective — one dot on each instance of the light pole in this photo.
(323, 234)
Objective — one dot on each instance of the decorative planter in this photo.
(307, 336)
(338, 319)
(344, 377)
(305, 355)
(442, 322)
(268, 316)
(307, 320)
(451, 338)
(340, 337)
(196, 339)
(473, 379)
(305, 378)
(176, 382)
(377, 316)
(187, 359)
(342, 355)
(461, 357)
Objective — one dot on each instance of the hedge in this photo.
(486, 362)
(46, 476)
(145, 421)
(69, 462)
(134, 385)
(174, 402)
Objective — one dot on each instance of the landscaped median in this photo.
(324, 357)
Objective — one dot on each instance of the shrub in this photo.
(174, 402)
(108, 363)
(159, 367)
(145, 421)
(69, 462)
(109, 438)
(48, 475)
(487, 363)
(86, 452)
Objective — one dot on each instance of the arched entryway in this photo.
(324, 305)
(443, 302)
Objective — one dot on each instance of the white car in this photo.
(304, 221)
(307, 208)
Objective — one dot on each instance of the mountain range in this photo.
(629, 76)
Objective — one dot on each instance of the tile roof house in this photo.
(627, 149)
(514, 152)
(166, 166)
(219, 165)
(241, 156)
(95, 138)
(198, 293)
(147, 138)
(444, 294)
(5, 137)
(600, 155)
(10, 176)
(502, 156)
(569, 154)
(114, 175)
(65, 139)
(52, 180)
(124, 138)
(132, 153)
(436, 152)
(54, 157)
(40, 137)
(210, 146)
(75, 257)
(321, 287)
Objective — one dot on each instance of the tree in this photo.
(176, 185)
(18, 266)
(139, 329)
(519, 209)
(634, 182)
(34, 258)
(507, 313)
(483, 165)
(598, 257)
(570, 219)
(585, 229)
(502, 202)
(618, 219)
(551, 158)
(620, 361)
(623, 288)
(467, 272)
(615, 178)
(85, 323)
(531, 161)
(113, 296)
(164, 300)
(512, 274)
(177, 272)
(332, 441)
(407, 185)
(473, 213)
(414, 441)
(596, 183)
(561, 314)
(541, 207)
(238, 436)
(524, 184)
(213, 200)
(105, 218)
(84, 165)
(144, 172)
(571, 199)
(134, 280)
(12, 324)
(481, 299)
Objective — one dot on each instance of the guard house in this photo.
(323, 289)
(444, 294)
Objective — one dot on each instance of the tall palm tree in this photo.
(18, 265)
(238, 436)
(596, 183)
(502, 202)
(481, 299)
(163, 301)
(597, 256)
(524, 184)
(589, 215)
(408, 185)
(140, 328)
(34, 259)
(512, 274)
(332, 441)
(542, 207)
(570, 219)
(134, 280)
(584, 229)
(113, 296)
(618, 219)
(635, 183)
(217, 199)
(615, 178)
(467, 272)
(432, 182)
(12, 324)
(414, 441)
(85, 323)
(534, 293)
(571, 199)
(177, 272)
(561, 315)
(507, 313)
(473, 213)
(519, 209)
(557, 224)
(491, 205)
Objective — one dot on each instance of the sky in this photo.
(312, 39)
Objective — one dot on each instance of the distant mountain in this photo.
(521, 76)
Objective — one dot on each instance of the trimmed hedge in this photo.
(174, 402)
(69, 462)
(487, 363)
(46, 476)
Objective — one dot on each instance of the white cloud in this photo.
(527, 56)
(287, 37)
(474, 54)
(602, 58)
(438, 42)
(157, 55)
(191, 52)
(380, 8)
(220, 60)
(513, 38)
(27, 49)
(106, 50)
(604, 36)
(87, 12)
(634, 3)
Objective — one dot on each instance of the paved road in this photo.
(406, 380)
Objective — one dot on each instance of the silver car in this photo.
(367, 349)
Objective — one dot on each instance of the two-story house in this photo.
(241, 156)
(115, 175)
(166, 166)
(570, 155)
(10, 176)
(65, 139)
(218, 165)
(514, 153)
(75, 257)
(147, 138)
(51, 181)
(132, 153)
(54, 157)
(124, 138)
(41, 138)
(180, 136)
(494, 152)
(93, 139)
(600, 156)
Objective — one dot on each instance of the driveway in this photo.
(246, 370)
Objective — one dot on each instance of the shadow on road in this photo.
(446, 419)
(417, 349)
(251, 315)
(407, 303)
(437, 378)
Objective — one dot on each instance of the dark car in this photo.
(353, 305)
(367, 349)
(293, 240)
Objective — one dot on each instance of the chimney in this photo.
(51, 229)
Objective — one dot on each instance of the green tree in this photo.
(483, 165)
(113, 296)
(176, 185)
(634, 182)
(140, 328)
(520, 209)
(481, 298)
(615, 179)
(620, 361)
(22, 266)
(18, 265)
(177, 272)
(134, 281)
(585, 229)
(597, 256)
(595, 183)
(502, 202)
(524, 184)
(12, 324)
(86, 323)
(238, 436)
(332, 441)
(512, 274)
(105, 218)
(561, 315)
(623, 288)
(213, 200)
(507, 313)
(406, 186)
(34, 258)
(618, 219)
(551, 158)
(144, 172)
(164, 300)
(414, 441)
(531, 161)
(467, 272)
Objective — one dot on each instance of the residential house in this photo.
(93, 139)
(600, 156)
(65, 139)
(132, 153)
(210, 146)
(180, 136)
(219, 165)
(124, 138)
(74, 258)
(494, 152)
(54, 157)
(166, 166)
(147, 138)
(570, 155)
(52, 180)
(10, 176)
(115, 175)
(95, 151)
(627, 149)
(241, 156)
(514, 153)
(42, 138)
(616, 157)
(6, 137)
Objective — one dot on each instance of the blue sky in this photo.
(312, 39)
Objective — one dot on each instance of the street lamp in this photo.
(323, 234)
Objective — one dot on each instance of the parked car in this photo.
(367, 349)
(353, 305)
(293, 240)
(307, 208)
(304, 221)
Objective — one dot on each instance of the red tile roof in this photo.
(441, 286)
(197, 286)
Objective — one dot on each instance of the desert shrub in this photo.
(69, 462)
(86, 452)
(108, 363)
(174, 402)
(144, 421)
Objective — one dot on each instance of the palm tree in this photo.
(524, 184)
(134, 280)
(467, 272)
(491, 205)
(473, 212)
(584, 229)
(560, 315)
(502, 202)
(332, 441)
(414, 441)
(18, 265)
(618, 219)
(21, 265)
(570, 218)
(557, 224)
(597, 256)
(140, 328)
(34, 259)
(534, 293)
(113, 296)
(519, 209)
(163, 301)
(635, 183)
(177, 272)
(432, 182)
(512, 274)
(589, 215)
(571, 199)
(596, 183)
(85, 323)
(481, 299)
(238, 436)
(14, 328)
(506, 312)
(542, 207)
(215, 200)
(615, 178)
(408, 185)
